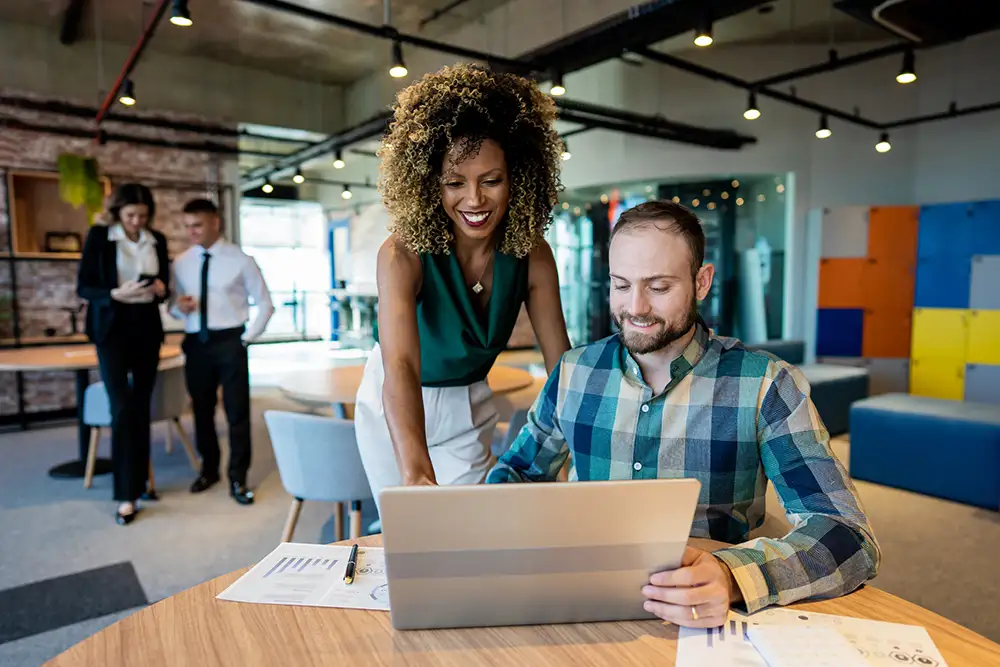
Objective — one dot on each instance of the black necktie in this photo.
(203, 301)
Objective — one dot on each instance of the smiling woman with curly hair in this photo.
(469, 176)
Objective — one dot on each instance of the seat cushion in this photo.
(834, 390)
(946, 449)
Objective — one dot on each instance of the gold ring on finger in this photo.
(694, 613)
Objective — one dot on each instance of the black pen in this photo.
(352, 563)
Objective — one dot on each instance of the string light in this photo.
(739, 201)
(347, 194)
(557, 88)
(298, 177)
(267, 188)
(338, 162)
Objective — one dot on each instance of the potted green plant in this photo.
(80, 183)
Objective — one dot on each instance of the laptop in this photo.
(526, 554)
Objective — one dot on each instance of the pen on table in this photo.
(352, 563)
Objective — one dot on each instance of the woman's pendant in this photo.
(478, 287)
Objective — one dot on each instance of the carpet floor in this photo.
(938, 554)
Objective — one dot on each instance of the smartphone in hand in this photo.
(147, 279)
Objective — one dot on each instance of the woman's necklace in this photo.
(478, 287)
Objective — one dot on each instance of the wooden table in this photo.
(78, 358)
(193, 628)
(339, 385)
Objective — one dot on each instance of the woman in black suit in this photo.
(123, 276)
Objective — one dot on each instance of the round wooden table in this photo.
(339, 385)
(194, 628)
(78, 358)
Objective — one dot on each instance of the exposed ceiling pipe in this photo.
(856, 119)
(707, 73)
(133, 57)
(390, 33)
(657, 121)
(833, 64)
(654, 132)
(103, 137)
(438, 13)
(79, 111)
(365, 130)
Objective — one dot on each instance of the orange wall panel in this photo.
(841, 282)
(886, 333)
(892, 233)
(889, 285)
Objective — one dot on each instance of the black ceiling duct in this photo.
(926, 21)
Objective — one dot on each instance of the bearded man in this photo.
(666, 398)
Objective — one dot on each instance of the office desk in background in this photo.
(81, 359)
(194, 628)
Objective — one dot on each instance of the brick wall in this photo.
(46, 287)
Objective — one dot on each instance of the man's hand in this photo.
(187, 304)
(419, 478)
(695, 595)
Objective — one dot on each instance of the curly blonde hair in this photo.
(469, 103)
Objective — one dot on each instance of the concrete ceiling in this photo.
(248, 35)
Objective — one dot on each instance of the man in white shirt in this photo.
(214, 284)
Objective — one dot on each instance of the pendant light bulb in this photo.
(398, 69)
(752, 112)
(127, 96)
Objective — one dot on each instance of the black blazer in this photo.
(98, 275)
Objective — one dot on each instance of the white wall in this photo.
(34, 60)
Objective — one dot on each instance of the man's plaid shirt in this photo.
(732, 419)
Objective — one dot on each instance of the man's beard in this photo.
(641, 343)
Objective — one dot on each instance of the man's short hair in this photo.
(201, 206)
(675, 218)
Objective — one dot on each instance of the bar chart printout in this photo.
(313, 575)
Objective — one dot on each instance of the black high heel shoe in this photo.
(150, 494)
(125, 519)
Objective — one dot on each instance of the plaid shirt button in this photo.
(645, 408)
(637, 465)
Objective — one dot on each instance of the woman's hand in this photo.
(159, 289)
(129, 291)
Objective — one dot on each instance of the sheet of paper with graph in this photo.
(876, 643)
(313, 575)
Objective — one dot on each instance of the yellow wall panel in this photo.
(984, 337)
(937, 379)
(940, 334)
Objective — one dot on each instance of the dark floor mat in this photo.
(53, 603)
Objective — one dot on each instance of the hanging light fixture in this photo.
(752, 112)
(824, 131)
(883, 145)
(557, 88)
(565, 151)
(179, 14)
(347, 194)
(908, 73)
(703, 33)
(267, 188)
(398, 69)
(127, 95)
(338, 162)
(298, 177)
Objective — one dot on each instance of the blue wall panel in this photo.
(943, 282)
(986, 228)
(839, 332)
(946, 230)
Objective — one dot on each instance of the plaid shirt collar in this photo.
(679, 367)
